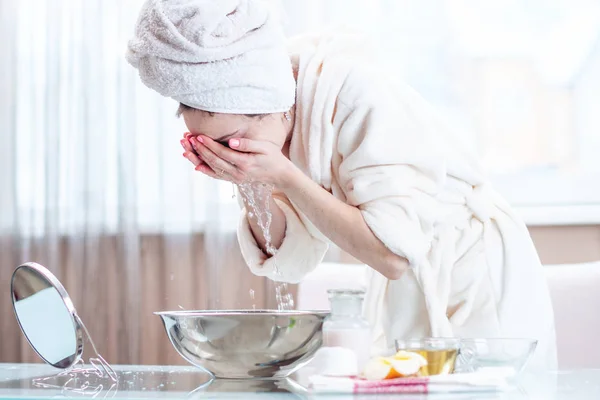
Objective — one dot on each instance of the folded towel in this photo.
(225, 56)
(455, 383)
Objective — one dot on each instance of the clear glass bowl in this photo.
(440, 353)
(499, 355)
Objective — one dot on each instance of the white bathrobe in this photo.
(375, 144)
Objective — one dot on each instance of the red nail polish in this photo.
(185, 154)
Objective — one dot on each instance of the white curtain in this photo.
(90, 145)
(94, 186)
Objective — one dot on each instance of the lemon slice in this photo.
(407, 363)
(379, 368)
(409, 355)
(402, 364)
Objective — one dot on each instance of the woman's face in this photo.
(272, 128)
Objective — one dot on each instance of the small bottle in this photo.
(345, 326)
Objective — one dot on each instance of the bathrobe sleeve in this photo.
(391, 168)
(299, 254)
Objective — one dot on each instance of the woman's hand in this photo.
(245, 160)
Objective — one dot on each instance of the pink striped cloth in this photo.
(455, 383)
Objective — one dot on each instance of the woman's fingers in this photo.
(206, 170)
(185, 143)
(193, 158)
(219, 165)
(192, 155)
(215, 172)
(201, 166)
(223, 152)
(249, 146)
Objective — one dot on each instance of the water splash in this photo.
(251, 292)
(256, 197)
(285, 300)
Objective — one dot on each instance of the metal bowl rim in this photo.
(212, 313)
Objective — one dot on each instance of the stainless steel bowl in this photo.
(245, 344)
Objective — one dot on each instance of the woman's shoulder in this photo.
(342, 53)
(365, 81)
(374, 87)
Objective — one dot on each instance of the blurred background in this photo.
(93, 185)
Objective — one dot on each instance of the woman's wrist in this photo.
(289, 177)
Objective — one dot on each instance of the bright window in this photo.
(520, 77)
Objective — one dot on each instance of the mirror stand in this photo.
(51, 325)
(75, 379)
(98, 366)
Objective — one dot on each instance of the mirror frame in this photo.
(55, 283)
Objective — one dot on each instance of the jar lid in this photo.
(346, 292)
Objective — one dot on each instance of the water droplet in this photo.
(172, 276)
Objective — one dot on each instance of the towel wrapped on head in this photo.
(223, 56)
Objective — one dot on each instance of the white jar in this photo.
(345, 326)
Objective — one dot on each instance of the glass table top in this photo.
(152, 382)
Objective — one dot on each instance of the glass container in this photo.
(346, 327)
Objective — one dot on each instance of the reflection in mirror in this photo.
(46, 317)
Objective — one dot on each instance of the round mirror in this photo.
(46, 315)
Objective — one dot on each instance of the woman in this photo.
(357, 159)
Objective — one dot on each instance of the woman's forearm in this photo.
(343, 224)
(277, 228)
